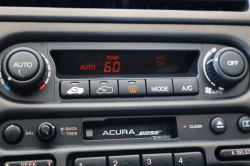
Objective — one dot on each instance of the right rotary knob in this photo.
(226, 67)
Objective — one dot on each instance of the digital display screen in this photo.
(153, 128)
(79, 63)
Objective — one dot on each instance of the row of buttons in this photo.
(219, 125)
(127, 88)
(161, 159)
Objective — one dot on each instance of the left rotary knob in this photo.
(24, 69)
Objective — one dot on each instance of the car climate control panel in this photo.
(89, 71)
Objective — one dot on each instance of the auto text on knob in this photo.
(23, 64)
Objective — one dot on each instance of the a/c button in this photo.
(160, 87)
(185, 86)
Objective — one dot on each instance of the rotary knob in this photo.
(23, 69)
(46, 132)
(226, 67)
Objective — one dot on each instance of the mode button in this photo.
(159, 87)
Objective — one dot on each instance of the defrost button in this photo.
(132, 88)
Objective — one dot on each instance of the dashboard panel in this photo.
(116, 93)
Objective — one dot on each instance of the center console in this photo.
(124, 95)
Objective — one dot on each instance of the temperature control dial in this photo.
(23, 69)
(225, 67)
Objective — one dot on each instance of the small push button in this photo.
(185, 86)
(164, 159)
(30, 163)
(13, 134)
(74, 89)
(159, 87)
(91, 161)
(132, 88)
(104, 88)
(234, 153)
(218, 125)
(244, 124)
(129, 160)
(189, 159)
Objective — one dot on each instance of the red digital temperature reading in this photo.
(112, 66)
